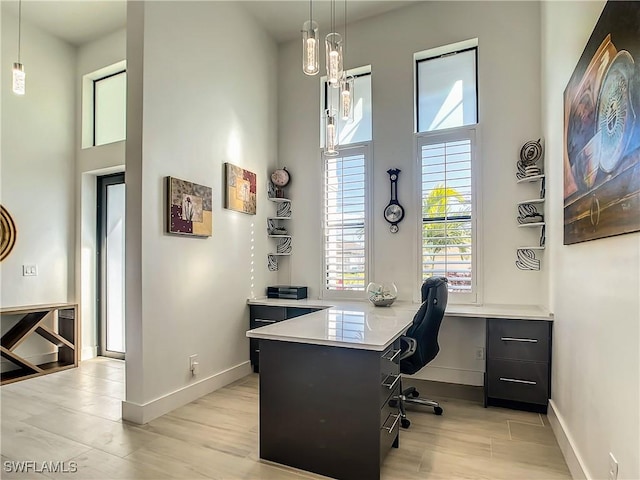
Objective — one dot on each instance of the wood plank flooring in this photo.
(74, 416)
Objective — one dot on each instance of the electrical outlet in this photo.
(193, 364)
(479, 353)
(29, 270)
(613, 467)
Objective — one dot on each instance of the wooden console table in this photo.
(64, 335)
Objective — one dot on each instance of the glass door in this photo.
(111, 262)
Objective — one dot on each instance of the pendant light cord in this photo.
(310, 11)
(344, 44)
(19, 26)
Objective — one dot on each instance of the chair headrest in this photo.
(432, 282)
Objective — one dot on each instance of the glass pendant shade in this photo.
(333, 47)
(310, 48)
(18, 79)
(346, 98)
(331, 134)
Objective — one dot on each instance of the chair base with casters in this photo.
(411, 395)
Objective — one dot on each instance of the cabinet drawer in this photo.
(389, 425)
(293, 312)
(389, 372)
(519, 381)
(267, 313)
(518, 339)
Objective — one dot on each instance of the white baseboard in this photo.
(450, 375)
(141, 414)
(7, 366)
(574, 461)
(88, 352)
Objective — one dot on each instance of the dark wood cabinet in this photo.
(262, 315)
(518, 367)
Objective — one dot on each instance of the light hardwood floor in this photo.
(75, 416)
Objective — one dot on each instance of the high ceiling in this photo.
(81, 21)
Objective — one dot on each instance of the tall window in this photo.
(446, 114)
(346, 202)
(345, 220)
(110, 108)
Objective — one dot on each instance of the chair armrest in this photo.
(412, 346)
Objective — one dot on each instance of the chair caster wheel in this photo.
(405, 423)
(393, 403)
(415, 394)
(437, 410)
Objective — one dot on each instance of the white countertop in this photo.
(519, 312)
(357, 325)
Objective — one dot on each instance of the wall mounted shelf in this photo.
(531, 202)
(532, 209)
(283, 246)
(533, 178)
(536, 224)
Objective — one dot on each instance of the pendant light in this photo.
(310, 46)
(333, 50)
(18, 68)
(347, 81)
(331, 134)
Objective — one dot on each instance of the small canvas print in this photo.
(602, 130)
(241, 189)
(190, 209)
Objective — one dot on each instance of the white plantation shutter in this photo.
(448, 218)
(345, 223)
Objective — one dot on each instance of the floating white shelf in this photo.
(533, 178)
(537, 224)
(535, 200)
(279, 218)
(531, 248)
(280, 254)
(279, 200)
(279, 236)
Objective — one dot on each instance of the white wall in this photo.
(91, 162)
(202, 91)
(37, 186)
(594, 287)
(509, 107)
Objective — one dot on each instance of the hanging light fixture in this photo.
(333, 51)
(347, 81)
(18, 68)
(310, 47)
(331, 134)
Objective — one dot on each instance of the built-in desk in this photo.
(326, 381)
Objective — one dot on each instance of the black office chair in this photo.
(420, 344)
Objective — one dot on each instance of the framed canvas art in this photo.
(189, 208)
(602, 130)
(240, 189)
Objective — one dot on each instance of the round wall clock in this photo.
(394, 213)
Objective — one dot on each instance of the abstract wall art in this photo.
(189, 208)
(240, 189)
(602, 130)
(8, 233)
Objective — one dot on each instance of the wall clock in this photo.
(394, 213)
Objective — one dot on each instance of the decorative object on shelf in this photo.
(272, 263)
(310, 45)
(527, 213)
(284, 209)
(241, 189)
(393, 212)
(530, 153)
(189, 208)
(527, 260)
(602, 130)
(275, 229)
(19, 77)
(284, 245)
(8, 233)
(280, 178)
(382, 294)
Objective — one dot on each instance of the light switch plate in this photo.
(29, 270)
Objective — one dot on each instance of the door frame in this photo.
(102, 182)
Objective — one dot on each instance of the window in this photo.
(446, 90)
(345, 220)
(110, 109)
(446, 111)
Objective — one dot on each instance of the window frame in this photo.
(471, 133)
(366, 148)
(93, 85)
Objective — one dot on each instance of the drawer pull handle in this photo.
(264, 321)
(515, 380)
(257, 351)
(391, 385)
(512, 339)
(390, 429)
(393, 357)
